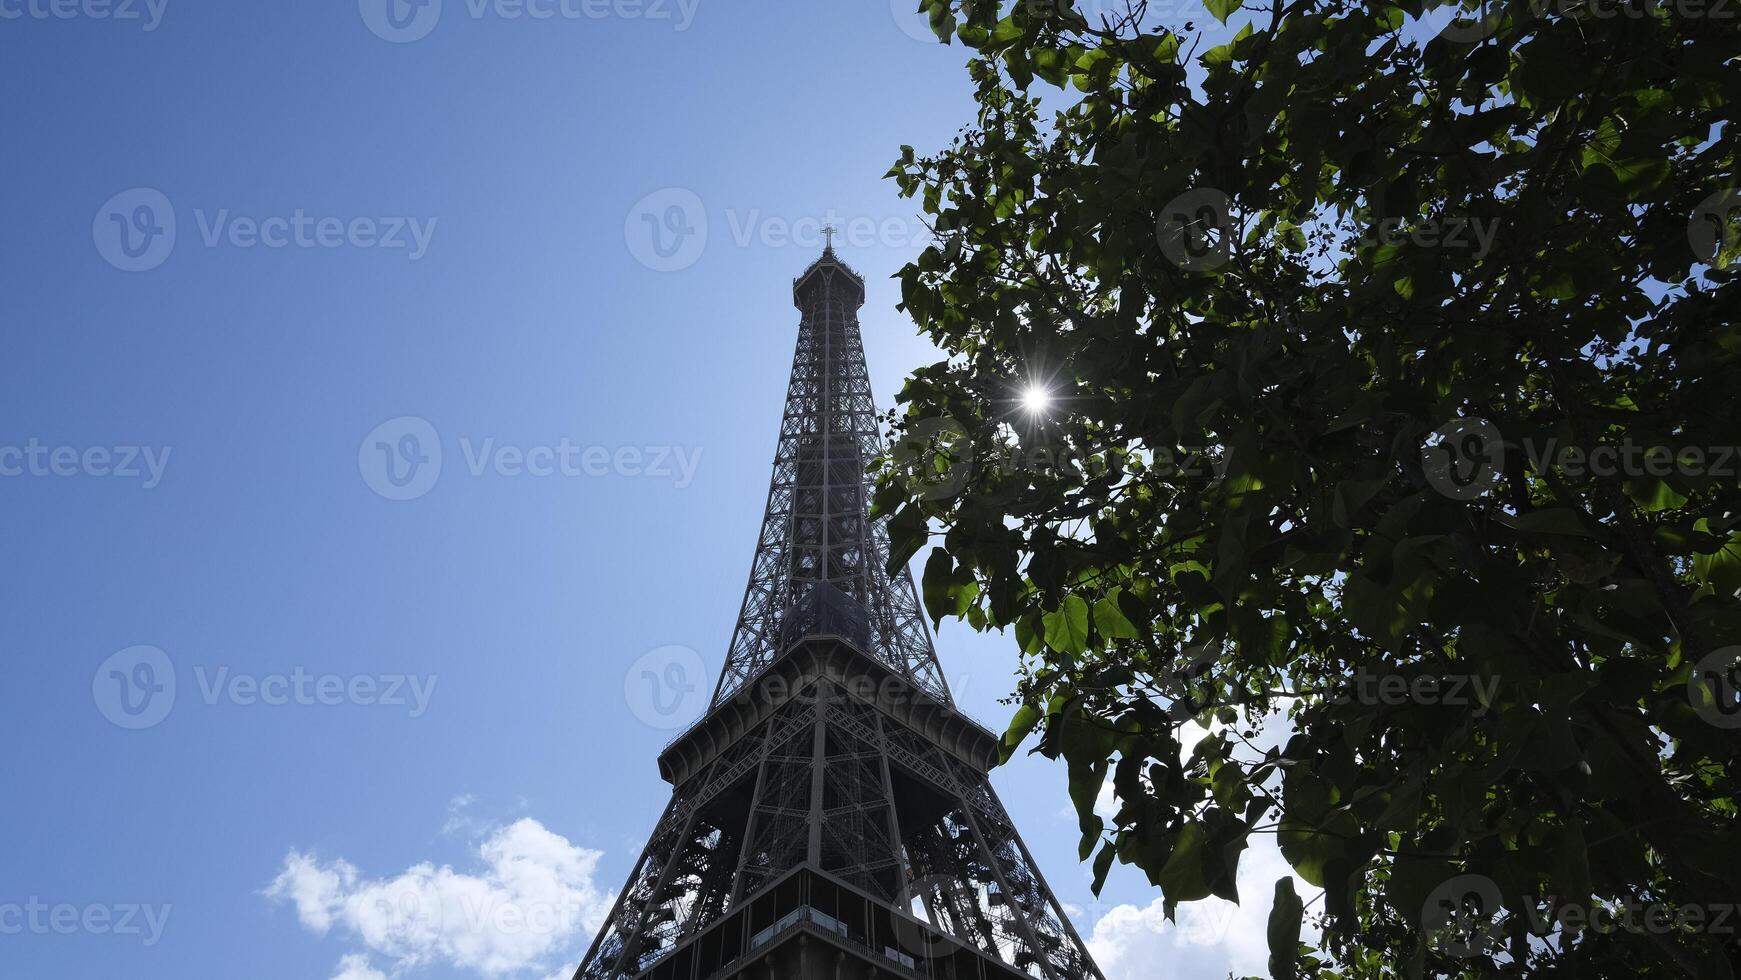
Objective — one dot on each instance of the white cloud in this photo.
(532, 904)
(1210, 938)
(314, 889)
(356, 967)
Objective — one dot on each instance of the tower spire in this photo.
(821, 561)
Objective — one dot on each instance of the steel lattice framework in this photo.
(819, 554)
(831, 814)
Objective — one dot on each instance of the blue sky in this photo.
(434, 226)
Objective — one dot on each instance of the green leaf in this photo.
(1026, 719)
(1653, 495)
(908, 532)
(1111, 621)
(1222, 9)
(1351, 496)
(1067, 626)
(1722, 569)
(1552, 520)
(1085, 785)
(1308, 851)
(1102, 865)
(1182, 878)
(947, 590)
(942, 16)
(1167, 48)
(1205, 859)
(1286, 914)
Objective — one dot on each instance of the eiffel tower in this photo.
(830, 814)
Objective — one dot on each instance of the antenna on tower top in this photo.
(828, 232)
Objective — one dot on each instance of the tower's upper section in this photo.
(821, 563)
(829, 275)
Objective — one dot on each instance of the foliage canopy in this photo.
(1476, 676)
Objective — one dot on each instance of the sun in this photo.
(1036, 399)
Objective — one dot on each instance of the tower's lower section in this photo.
(834, 820)
(811, 926)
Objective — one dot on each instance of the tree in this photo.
(1391, 376)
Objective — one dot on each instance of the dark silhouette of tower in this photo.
(830, 814)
